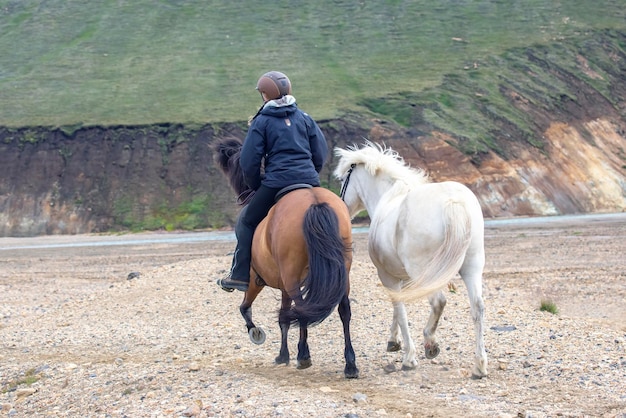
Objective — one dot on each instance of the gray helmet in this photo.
(274, 84)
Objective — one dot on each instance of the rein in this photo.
(245, 197)
(345, 183)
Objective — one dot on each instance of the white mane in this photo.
(378, 160)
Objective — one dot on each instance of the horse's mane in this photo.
(378, 160)
(227, 158)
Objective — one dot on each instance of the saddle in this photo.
(282, 192)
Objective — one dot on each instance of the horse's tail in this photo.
(447, 260)
(327, 280)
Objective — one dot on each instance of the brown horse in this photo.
(303, 248)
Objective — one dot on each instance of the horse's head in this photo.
(227, 158)
(371, 171)
(343, 172)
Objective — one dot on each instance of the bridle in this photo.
(345, 183)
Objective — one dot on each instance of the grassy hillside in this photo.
(136, 62)
(503, 96)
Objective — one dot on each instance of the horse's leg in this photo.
(393, 344)
(257, 335)
(437, 303)
(304, 356)
(472, 276)
(283, 323)
(399, 316)
(345, 313)
(399, 323)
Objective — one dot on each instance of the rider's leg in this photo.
(247, 222)
(244, 232)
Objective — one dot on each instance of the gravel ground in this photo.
(79, 338)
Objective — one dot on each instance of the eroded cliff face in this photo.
(119, 178)
(574, 173)
(103, 180)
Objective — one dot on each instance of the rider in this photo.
(292, 150)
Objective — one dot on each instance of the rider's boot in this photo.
(239, 276)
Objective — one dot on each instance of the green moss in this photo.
(66, 153)
(196, 213)
(31, 136)
(70, 130)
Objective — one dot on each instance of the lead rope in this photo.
(345, 183)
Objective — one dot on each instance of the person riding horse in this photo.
(292, 149)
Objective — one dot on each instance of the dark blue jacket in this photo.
(293, 146)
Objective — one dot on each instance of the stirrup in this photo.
(228, 284)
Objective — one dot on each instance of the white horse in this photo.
(421, 234)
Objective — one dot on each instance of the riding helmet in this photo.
(274, 84)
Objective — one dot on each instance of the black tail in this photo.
(327, 280)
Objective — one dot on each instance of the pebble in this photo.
(25, 392)
(390, 368)
(194, 410)
(359, 397)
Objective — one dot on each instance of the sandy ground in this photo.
(78, 338)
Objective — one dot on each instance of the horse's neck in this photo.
(373, 191)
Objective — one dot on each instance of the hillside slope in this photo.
(171, 61)
(548, 137)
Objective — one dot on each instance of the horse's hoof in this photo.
(281, 360)
(393, 346)
(351, 372)
(257, 335)
(478, 373)
(409, 367)
(304, 364)
(431, 351)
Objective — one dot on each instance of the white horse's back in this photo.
(411, 242)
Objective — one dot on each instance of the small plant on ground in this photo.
(548, 306)
(28, 378)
